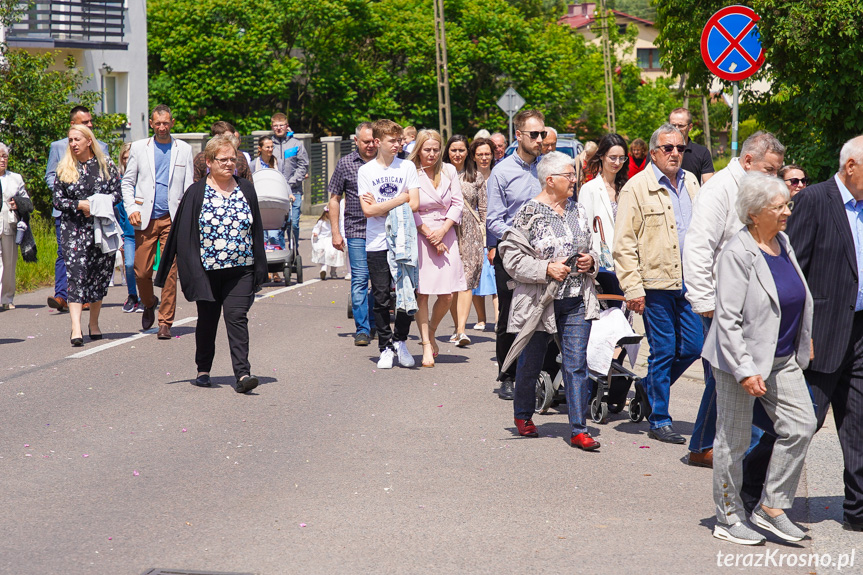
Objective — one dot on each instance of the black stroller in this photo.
(274, 200)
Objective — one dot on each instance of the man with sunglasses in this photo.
(513, 181)
(696, 158)
(157, 175)
(714, 222)
(654, 212)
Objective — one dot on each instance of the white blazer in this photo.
(139, 180)
(595, 200)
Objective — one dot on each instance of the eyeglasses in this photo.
(798, 181)
(533, 135)
(616, 159)
(668, 148)
(279, 126)
(568, 175)
(226, 161)
(781, 207)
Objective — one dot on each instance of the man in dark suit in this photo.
(826, 232)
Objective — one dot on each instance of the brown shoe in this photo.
(148, 318)
(164, 331)
(703, 459)
(58, 303)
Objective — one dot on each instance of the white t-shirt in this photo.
(384, 183)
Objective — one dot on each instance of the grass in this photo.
(29, 277)
(721, 162)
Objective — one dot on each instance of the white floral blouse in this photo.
(226, 230)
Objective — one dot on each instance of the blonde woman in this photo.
(84, 172)
(440, 267)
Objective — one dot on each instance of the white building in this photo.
(108, 40)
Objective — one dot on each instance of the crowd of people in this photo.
(716, 263)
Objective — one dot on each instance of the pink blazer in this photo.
(438, 204)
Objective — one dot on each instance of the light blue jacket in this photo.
(403, 256)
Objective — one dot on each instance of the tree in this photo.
(814, 61)
(34, 109)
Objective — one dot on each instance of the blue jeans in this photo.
(361, 300)
(295, 216)
(129, 262)
(574, 331)
(704, 430)
(60, 281)
(675, 335)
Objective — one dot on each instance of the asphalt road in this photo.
(112, 463)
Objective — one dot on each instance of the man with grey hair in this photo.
(499, 141)
(549, 143)
(714, 222)
(826, 232)
(654, 212)
(343, 184)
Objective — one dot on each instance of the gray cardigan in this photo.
(742, 338)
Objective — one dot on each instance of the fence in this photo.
(318, 173)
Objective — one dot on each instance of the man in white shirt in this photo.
(383, 184)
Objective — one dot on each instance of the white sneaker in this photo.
(324, 272)
(404, 356)
(386, 360)
(347, 276)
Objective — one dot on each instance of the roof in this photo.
(581, 15)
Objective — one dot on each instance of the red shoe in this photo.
(584, 441)
(526, 428)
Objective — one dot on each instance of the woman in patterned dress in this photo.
(559, 234)
(471, 233)
(83, 172)
(218, 241)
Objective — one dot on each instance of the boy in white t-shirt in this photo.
(383, 184)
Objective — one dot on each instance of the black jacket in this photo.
(184, 243)
(821, 237)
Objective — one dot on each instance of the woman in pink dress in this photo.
(440, 267)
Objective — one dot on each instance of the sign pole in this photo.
(510, 127)
(734, 118)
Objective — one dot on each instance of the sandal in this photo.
(426, 363)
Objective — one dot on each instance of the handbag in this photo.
(605, 259)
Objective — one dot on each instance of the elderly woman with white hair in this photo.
(11, 185)
(548, 252)
(758, 345)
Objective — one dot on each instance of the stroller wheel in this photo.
(636, 411)
(350, 311)
(298, 264)
(544, 392)
(598, 410)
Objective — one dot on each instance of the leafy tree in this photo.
(814, 61)
(34, 109)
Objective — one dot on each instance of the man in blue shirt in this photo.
(80, 115)
(513, 181)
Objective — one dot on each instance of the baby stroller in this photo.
(611, 384)
(274, 200)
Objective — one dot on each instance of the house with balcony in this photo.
(107, 39)
(581, 18)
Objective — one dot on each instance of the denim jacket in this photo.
(403, 256)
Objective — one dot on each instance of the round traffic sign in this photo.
(730, 44)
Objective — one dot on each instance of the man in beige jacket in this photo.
(654, 211)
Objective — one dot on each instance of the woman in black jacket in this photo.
(218, 241)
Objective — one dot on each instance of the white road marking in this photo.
(183, 321)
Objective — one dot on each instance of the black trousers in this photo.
(234, 290)
(503, 340)
(843, 391)
(379, 274)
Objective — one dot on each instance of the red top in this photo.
(634, 168)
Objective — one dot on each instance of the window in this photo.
(648, 58)
(115, 93)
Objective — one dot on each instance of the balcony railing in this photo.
(71, 24)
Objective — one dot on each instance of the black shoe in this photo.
(666, 434)
(76, 341)
(362, 339)
(149, 316)
(203, 380)
(247, 383)
(94, 337)
(506, 390)
(848, 525)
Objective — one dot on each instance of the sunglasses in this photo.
(798, 181)
(668, 148)
(533, 135)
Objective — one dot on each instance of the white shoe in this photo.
(348, 276)
(453, 338)
(739, 533)
(386, 360)
(324, 272)
(479, 326)
(463, 340)
(404, 356)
